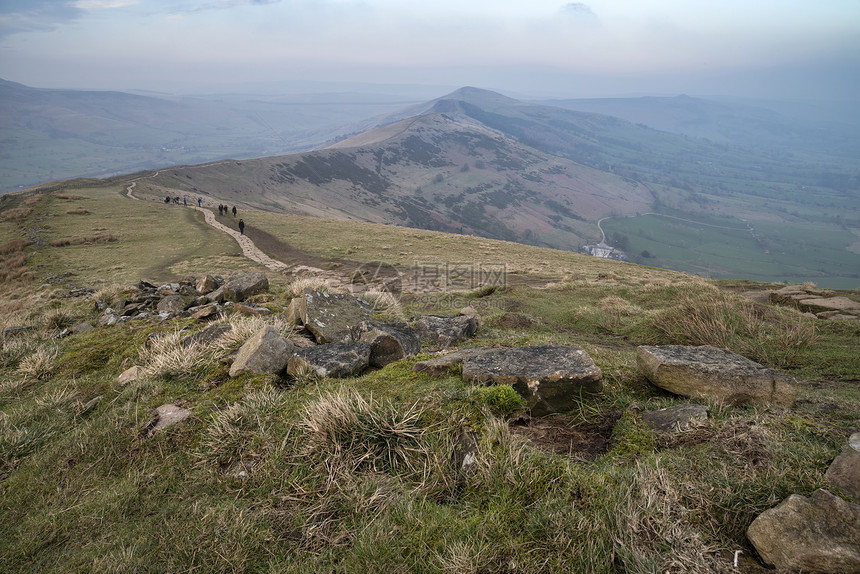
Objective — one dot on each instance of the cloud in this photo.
(103, 4)
(33, 15)
(578, 9)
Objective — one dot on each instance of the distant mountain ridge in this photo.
(51, 134)
(437, 171)
(477, 162)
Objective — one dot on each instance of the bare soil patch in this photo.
(570, 436)
(277, 249)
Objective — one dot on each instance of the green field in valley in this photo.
(727, 248)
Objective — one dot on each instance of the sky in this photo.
(544, 48)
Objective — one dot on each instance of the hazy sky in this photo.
(807, 48)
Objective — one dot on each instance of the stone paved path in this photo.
(249, 250)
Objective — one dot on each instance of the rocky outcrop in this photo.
(675, 418)
(239, 288)
(708, 372)
(389, 342)
(207, 284)
(823, 303)
(171, 304)
(816, 534)
(552, 378)
(331, 317)
(844, 471)
(266, 352)
(445, 331)
(335, 360)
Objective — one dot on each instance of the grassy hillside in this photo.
(269, 474)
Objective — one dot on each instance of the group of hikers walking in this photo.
(224, 210)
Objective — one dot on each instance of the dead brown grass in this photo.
(85, 240)
(714, 317)
(77, 212)
(16, 214)
(13, 267)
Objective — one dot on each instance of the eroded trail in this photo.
(252, 252)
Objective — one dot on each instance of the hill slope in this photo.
(318, 474)
(478, 162)
(434, 171)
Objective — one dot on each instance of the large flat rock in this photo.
(243, 286)
(334, 360)
(440, 365)
(816, 534)
(332, 316)
(552, 378)
(446, 331)
(708, 372)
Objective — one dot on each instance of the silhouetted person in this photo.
(241, 226)
(234, 211)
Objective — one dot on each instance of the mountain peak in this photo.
(478, 96)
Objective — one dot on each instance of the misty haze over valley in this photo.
(764, 190)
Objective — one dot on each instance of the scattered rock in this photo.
(675, 418)
(709, 372)
(464, 457)
(816, 534)
(205, 312)
(445, 331)
(388, 342)
(166, 416)
(130, 374)
(206, 284)
(552, 378)
(302, 338)
(844, 471)
(240, 288)
(216, 296)
(840, 304)
(334, 360)
(291, 315)
(331, 317)
(441, 365)
(266, 352)
(171, 304)
(821, 303)
(251, 310)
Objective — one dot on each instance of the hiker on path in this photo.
(234, 211)
(199, 202)
(220, 209)
(184, 202)
(241, 226)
